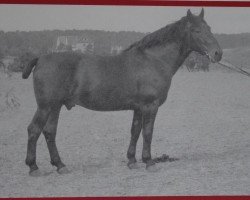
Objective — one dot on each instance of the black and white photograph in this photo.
(124, 100)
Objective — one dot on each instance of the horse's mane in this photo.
(162, 36)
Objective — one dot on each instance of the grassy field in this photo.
(204, 123)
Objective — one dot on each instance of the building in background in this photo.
(116, 50)
(74, 43)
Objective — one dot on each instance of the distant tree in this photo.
(202, 62)
(190, 62)
(1, 54)
(196, 62)
(40, 42)
(68, 48)
(2, 65)
(61, 46)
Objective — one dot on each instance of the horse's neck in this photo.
(172, 54)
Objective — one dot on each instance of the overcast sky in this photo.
(115, 18)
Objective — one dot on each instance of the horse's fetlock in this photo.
(57, 162)
(146, 157)
(130, 154)
(30, 161)
(132, 160)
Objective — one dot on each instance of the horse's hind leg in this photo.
(135, 133)
(49, 132)
(34, 130)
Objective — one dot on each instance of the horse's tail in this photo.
(27, 70)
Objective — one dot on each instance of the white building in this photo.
(74, 43)
(116, 50)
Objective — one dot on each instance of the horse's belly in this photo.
(102, 101)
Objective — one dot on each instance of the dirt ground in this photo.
(205, 123)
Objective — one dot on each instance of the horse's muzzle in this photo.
(215, 55)
(218, 55)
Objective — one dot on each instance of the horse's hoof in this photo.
(150, 163)
(132, 165)
(36, 173)
(151, 166)
(63, 170)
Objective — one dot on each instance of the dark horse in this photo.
(138, 79)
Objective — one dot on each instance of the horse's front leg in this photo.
(149, 113)
(135, 133)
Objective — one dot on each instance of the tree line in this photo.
(41, 42)
(26, 44)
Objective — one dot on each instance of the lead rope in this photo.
(166, 158)
(234, 68)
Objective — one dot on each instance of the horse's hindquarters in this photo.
(53, 80)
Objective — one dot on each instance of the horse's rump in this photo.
(54, 77)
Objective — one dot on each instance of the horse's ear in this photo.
(189, 14)
(202, 13)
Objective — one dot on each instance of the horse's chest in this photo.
(151, 84)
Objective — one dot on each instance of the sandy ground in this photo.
(205, 123)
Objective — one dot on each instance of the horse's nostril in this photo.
(217, 55)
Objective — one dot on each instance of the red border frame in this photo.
(210, 3)
(141, 198)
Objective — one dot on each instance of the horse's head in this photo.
(200, 37)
